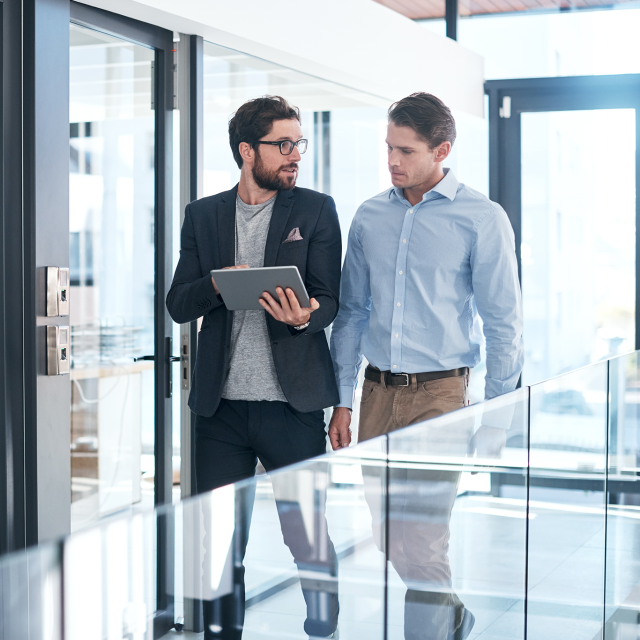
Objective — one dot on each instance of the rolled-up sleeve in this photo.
(496, 289)
(352, 318)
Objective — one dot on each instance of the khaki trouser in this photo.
(420, 500)
(385, 408)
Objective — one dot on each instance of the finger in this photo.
(284, 301)
(267, 308)
(268, 298)
(314, 304)
(215, 287)
(346, 437)
(272, 306)
(334, 439)
(293, 300)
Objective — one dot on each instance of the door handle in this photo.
(169, 360)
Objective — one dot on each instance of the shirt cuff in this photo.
(346, 397)
(498, 412)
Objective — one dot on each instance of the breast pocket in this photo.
(293, 253)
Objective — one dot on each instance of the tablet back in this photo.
(241, 288)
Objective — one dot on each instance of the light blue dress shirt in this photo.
(414, 280)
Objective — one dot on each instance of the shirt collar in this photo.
(447, 187)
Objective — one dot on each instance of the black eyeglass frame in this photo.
(279, 143)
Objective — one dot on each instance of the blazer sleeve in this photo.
(191, 295)
(324, 258)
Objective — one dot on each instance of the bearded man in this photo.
(263, 378)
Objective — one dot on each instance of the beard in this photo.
(270, 180)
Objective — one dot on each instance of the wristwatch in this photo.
(300, 327)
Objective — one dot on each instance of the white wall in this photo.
(358, 43)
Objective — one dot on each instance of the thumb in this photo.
(314, 304)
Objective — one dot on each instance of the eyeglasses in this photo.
(286, 146)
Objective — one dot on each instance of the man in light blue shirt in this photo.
(424, 259)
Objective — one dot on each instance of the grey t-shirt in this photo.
(252, 373)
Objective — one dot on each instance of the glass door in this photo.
(112, 242)
(120, 224)
(120, 227)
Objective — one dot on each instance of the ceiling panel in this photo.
(422, 9)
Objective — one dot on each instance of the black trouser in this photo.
(228, 446)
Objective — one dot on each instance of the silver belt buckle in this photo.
(406, 376)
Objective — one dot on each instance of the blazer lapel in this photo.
(226, 218)
(279, 219)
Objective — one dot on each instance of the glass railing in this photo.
(514, 518)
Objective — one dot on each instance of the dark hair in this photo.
(254, 119)
(427, 115)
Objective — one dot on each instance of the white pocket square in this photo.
(294, 235)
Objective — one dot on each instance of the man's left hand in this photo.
(489, 442)
(287, 309)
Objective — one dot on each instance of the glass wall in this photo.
(347, 156)
(578, 262)
(514, 518)
(112, 208)
(567, 502)
(622, 585)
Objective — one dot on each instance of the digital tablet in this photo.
(242, 288)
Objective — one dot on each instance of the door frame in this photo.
(14, 367)
(34, 447)
(161, 40)
(574, 93)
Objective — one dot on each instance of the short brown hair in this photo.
(254, 119)
(427, 115)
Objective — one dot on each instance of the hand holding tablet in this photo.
(278, 290)
(287, 309)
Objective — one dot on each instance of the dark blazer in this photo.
(302, 359)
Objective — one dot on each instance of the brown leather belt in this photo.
(405, 379)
